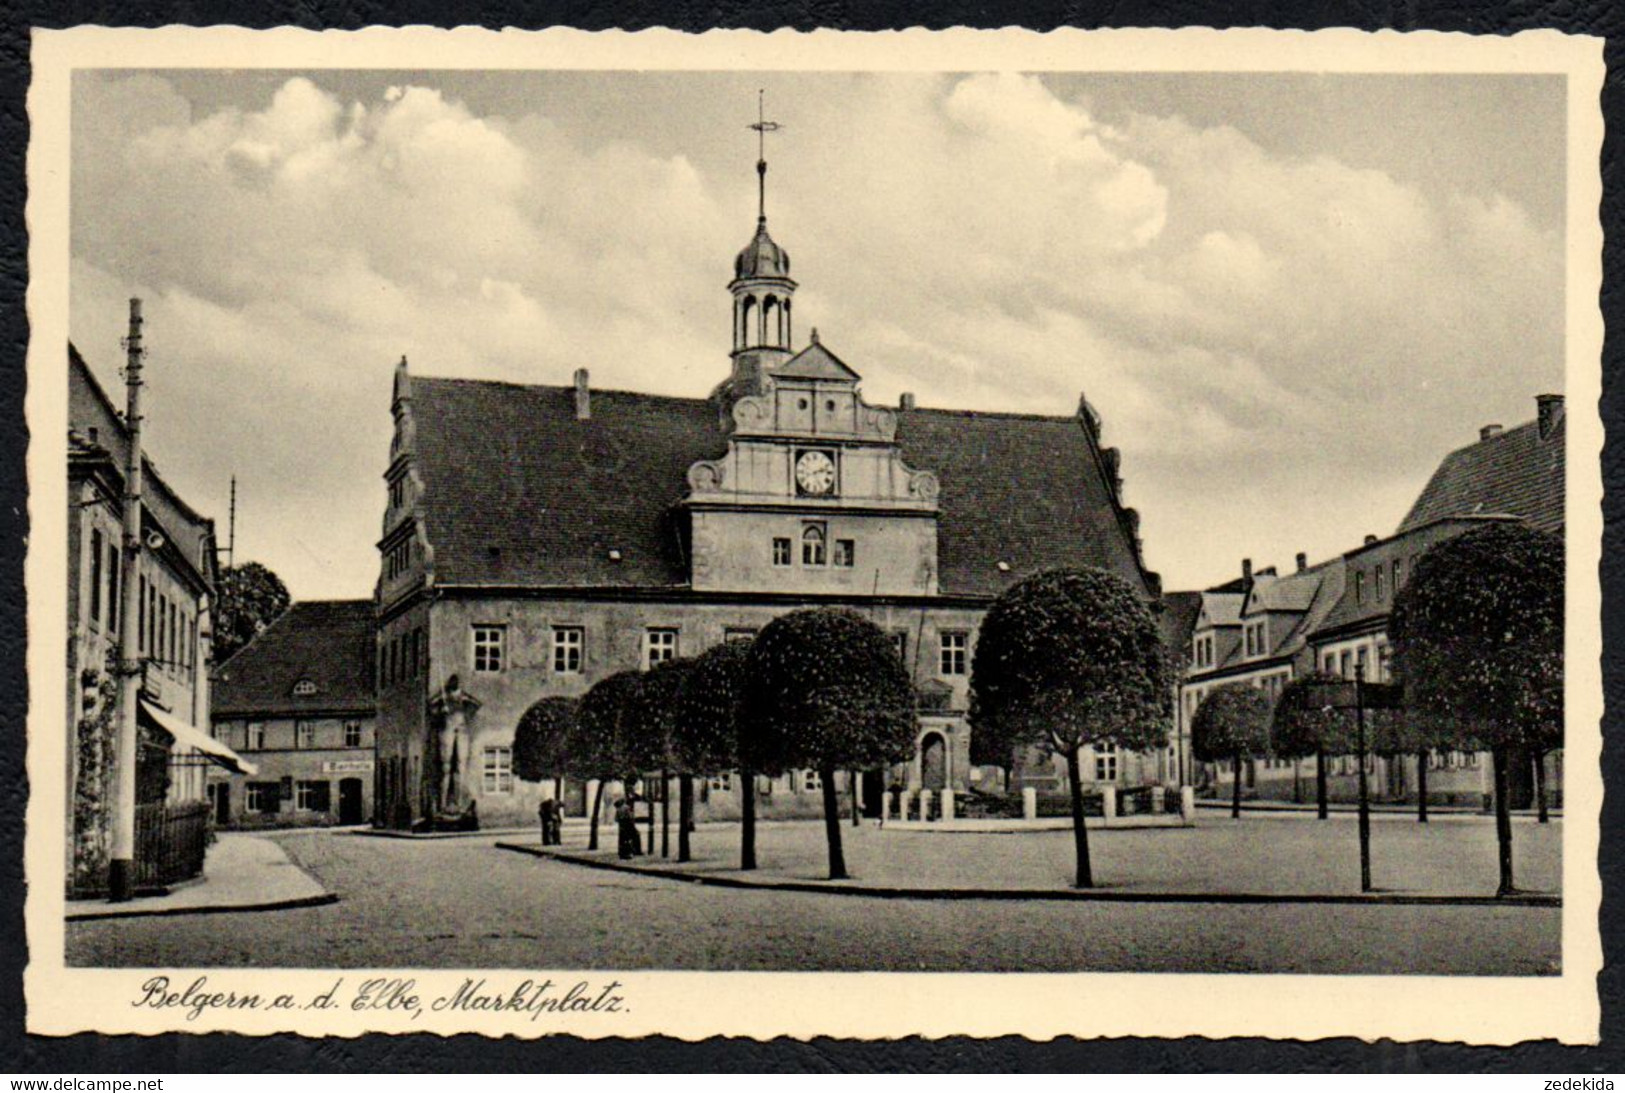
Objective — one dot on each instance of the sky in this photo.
(1288, 296)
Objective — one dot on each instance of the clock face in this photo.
(815, 473)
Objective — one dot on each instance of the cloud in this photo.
(1248, 322)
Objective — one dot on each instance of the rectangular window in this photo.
(567, 645)
(722, 783)
(659, 646)
(811, 782)
(262, 797)
(1331, 664)
(1376, 582)
(845, 555)
(1345, 665)
(899, 641)
(95, 575)
(352, 734)
(255, 736)
(1399, 573)
(739, 633)
(311, 796)
(1359, 587)
(813, 537)
(304, 734)
(1385, 656)
(488, 651)
(952, 648)
(1360, 664)
(1105, 762)
(781, 551)
(496, 769)
(113, 587)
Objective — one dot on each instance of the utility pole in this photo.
(1365, 789)
(231, 527)
(121, 866)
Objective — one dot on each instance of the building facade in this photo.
(298, 702)
(1507, 475)
(175, 571)
(539, 538)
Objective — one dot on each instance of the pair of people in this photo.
(551, 814)
(629, 845)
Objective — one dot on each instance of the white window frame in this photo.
(1105, 762)
(953, 652)
(496, 769)
(844, 555)
(660, 644)
(815, 535)
(254, 736)
(303, 791)
(811, 781)
(488, 646)
(353, 734)
(304, 733)
(786, 558)
(569, 656)
(254, 797)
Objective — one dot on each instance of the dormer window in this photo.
(304, 688)
(1253, 635)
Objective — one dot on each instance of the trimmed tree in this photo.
(706, 737)
(1066, 660)
(541, 740)
(597, 749)
(1410, 732)
(247, 599)
(1299, 729)
(651, 728)
(1233, 722)
(828, 683)
(1477, 634)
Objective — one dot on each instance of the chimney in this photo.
(1488, 431)
(1369, 539)
(1303, 561)
(1246, 574)
(583, 396)
(906, 402)
(1550, 412)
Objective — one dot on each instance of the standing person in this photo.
(555, 815)
(544, 817)
(626, 826)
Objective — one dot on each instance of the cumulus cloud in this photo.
(1253, 324)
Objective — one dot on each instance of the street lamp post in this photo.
(1365, 788)
(121, 863)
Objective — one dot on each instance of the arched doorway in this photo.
(933, 761)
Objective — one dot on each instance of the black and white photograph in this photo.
(1133, 536)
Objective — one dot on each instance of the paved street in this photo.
(463, 903)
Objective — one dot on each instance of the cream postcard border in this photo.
(862, 1005)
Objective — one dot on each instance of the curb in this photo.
(223, 909)
(425, 836)
(1054, 894)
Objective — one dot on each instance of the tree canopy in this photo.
(706, 710)
(1069, 658)
(649, 729)
(1300, 727)
(247, 599)
(829, 683)
(1233, 719)
(1477, 636)
(600, 748)
(542, 739)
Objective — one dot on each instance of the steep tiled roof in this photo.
(1177, 621)
(1516, 472)
(327, 643)
(519, 491)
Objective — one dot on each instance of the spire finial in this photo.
(763, 127)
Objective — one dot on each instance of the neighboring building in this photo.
(176, 577)
(1177, 621)
(1512, 474)
(540, 538)
(298, 701)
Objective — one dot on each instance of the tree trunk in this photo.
(1320, 783)
(685, 814)
(857, 817)
(747, 818)
(1503, 820)
(597, 803)
(832, 824)
(1540, 788)
(1085, 877)
(665, 813)
(1235, 793)
(558, 795)
(1422, 785)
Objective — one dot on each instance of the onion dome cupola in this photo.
(762, 289)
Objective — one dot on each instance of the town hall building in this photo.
(539, 538)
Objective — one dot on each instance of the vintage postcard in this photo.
(1133, 573)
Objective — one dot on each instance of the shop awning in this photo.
(188, 737)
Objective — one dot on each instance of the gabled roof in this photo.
(328, 644)
(1293, 592)
(1517, 472)
(519, 491)
(1177, 622)
(816, 363)
(1221, 608)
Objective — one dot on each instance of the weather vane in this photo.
(763, 127)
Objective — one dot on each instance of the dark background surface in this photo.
(134, 1056)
